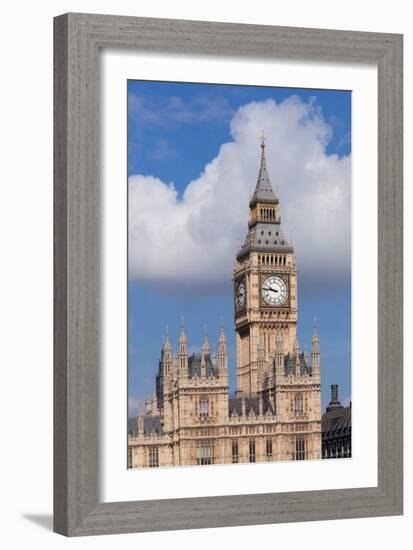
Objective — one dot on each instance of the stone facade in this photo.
(276, 411)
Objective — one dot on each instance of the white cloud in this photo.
(162, 150)
(173, 110)
(190, 242)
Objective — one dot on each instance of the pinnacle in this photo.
(263, 189)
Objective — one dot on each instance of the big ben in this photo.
(276, 412)
(265, 287)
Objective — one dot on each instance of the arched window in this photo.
(153, 458)
(298, 404)
(252, 450)
(299, 448)
(235, 456)
(203, 407)
(268, 449)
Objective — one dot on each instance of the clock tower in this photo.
(265, 290)
(276, 413)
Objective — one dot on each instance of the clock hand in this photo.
(270, 289)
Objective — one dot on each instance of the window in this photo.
(235, 452)
(299, 450)
(252, 450)
(268, 449)
(204, 453)
(153, 457)
(298, 404)
(203, 407)
(130, 457)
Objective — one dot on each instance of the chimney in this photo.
(334, 402)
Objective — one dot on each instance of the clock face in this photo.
(241, 295)
(274, 290)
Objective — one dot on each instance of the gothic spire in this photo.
(263, 190)
(182, 336)
(166, 342)
(222, 337)
(205, 346)
(315, 339)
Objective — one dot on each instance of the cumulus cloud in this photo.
(189, 242)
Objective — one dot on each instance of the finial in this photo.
(166, 342)
(315, 326)
(206, 335)
(263, 138)
(182, 337)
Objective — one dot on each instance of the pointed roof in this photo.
(182, 335)
(166, 342)
(315, 332)
(205, 346)
(264, 236)
(222, 337)
(263, 189)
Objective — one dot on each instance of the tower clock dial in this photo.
(241, 295)
(274, 290)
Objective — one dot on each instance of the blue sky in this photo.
(174, 131)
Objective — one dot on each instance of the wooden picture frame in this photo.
(78, 40)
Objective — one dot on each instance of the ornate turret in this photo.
(315, 351)
(206, 349)
(222, 353)
(205, 354)
(264, 220)
(183, 353)
(166, 355)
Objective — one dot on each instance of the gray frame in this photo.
(78, 39)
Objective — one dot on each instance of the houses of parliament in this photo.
(276, 411)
